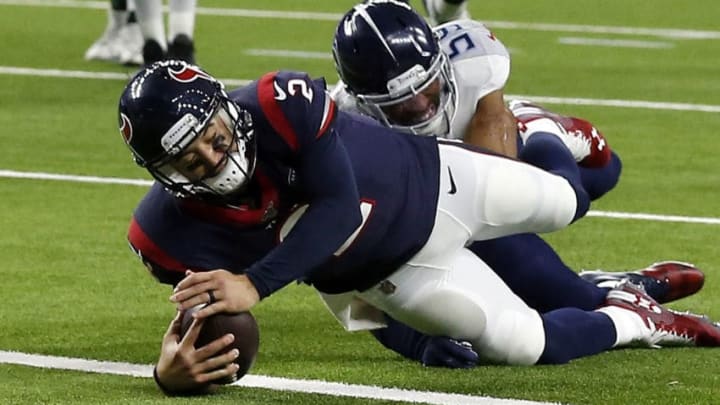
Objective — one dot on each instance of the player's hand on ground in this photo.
(445, 352)
(182, 369)
(222, 290)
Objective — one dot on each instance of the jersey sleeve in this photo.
(161, 265)
(480, 60)
(302, 114)
(296, 107)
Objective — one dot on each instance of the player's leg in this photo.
(531, 268)
(455, 294)
(462, 298)
(181, 25)
(586, 143)
(441, 11)
(597, 181)
(131, 39)
(492, 196)
(599, 167)
(533, 271)
(150, 17)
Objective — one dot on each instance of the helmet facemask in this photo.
(237, 165)
(407, 86)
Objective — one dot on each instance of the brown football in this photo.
(242, 325)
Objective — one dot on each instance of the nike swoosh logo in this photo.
(453, 189)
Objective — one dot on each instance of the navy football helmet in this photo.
(168, 105)
(386, 54)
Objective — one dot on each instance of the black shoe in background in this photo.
(182, 48)
(152, 52)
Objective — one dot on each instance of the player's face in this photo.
(207, 155)
(417, 109)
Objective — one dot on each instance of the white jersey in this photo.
(480, 64)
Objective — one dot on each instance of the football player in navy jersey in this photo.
(271, 184)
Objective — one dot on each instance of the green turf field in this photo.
(71, 287)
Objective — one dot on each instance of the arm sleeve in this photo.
(303, 117)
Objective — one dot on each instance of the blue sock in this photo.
(401, 339)
(571, 333)
(548, 152)
(599, 181)
(533, 271)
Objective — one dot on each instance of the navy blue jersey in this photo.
(338, 201)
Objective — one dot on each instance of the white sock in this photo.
(181, 19)
(448, 11)
(116, 19)
(150, 17)
(629, 326)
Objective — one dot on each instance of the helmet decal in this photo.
(188, 73)
(126, 128)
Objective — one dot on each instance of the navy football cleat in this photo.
(662, 326)
(663, 281)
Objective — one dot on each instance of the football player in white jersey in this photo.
(449, 81)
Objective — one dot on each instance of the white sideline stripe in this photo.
(81, 74)
(620, 43)
(146, 183)
(320, 16)
(260, 381)
(653, 105)
(654, 217)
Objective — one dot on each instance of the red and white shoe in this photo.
(587, 145)
(664, 281)
(662, 326)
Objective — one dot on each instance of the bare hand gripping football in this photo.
(242, 325)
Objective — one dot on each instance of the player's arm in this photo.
(301, 116)
(326, 178)
(162, 266)
(431, 351)
(493, 126)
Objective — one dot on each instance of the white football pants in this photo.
(445, 289)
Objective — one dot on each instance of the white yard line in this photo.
(615, 43)
(287, 53)
(653, 105)
(265, 382)
(320, 16)
(146, 183)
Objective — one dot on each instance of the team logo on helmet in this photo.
(188, 74)
(126, 128)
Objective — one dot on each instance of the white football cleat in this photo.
(130, 44)
(105, 48)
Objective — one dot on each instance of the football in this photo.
(242, 325)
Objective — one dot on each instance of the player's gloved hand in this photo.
(445, 352)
